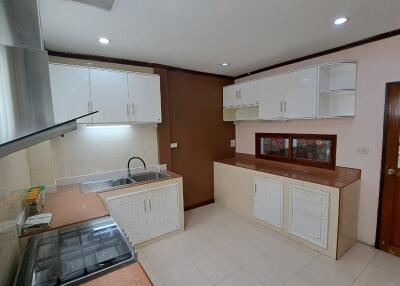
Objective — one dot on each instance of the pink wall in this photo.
(378, 63)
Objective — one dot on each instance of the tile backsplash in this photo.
(88, 151)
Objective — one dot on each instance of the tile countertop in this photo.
(70, 206)
(130, 275)
(338, 178)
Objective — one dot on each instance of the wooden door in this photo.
(196, 125)
(70, 91)
(389, 225)
(109, 96)
(163, 207)
(144, 97)
(268, 201)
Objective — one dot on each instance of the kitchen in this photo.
(271, 167)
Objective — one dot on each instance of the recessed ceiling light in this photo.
(104, 41)
(341, 20)
(225, 64)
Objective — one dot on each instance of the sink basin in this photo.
(121, 181)
(147, 176)
(103, 185)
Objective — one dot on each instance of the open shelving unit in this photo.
(337, 90)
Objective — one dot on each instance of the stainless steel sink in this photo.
(148, 176)
(103, 185)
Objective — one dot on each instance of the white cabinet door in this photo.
(144, 97)
(164, 211)
(70, 91)
(308, 214)
(109, 96)
(300, 93)
(249, 93)
(130, 213)
(271, 97)
(230, 96)
(268, 201)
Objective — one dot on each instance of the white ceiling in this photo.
(201, 34)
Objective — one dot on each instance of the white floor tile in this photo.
(298, 280)
(270, 271)
(188, 275)
(264, 241)
(192, 258)
(240, 278)
(375, 275)
(291, 256)
(387, 261)
(217, 266)
(324, 274)
(349, 263)
(362, 250)
(241, 252)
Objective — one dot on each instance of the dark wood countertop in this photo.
(130, 275)
(338, 178)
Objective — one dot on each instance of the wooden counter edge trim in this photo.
(145, 273)
(252, 159)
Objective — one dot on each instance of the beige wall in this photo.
(378, 63)
(88, 151)
(14, 176)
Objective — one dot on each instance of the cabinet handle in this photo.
(133, 108)
(150, 204)
(91, 106)
(127, 109)
(255, 189)
(240, 94)
(284, 105)
(88, 106)
(145, 208)
(281, 106)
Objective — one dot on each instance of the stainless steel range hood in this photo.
(26, 109)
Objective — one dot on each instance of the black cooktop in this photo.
(74, 254)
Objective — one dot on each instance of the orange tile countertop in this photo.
(69, 206)
(338, 178)
(130, 275)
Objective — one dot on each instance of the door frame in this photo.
(383, 158)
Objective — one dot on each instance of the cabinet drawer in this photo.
(312, 196)
(309, 228)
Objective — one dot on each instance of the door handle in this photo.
(391, 172)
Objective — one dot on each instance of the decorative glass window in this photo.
(307, 149)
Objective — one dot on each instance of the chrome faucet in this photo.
(129, 162)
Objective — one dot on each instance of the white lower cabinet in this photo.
(308, 214)
(268, 201)
(146, 215)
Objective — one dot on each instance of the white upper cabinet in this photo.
(144, 97)
(109, 96)
(271, 98)
(70, 90)
(268, 201)
(300, 93)
(323, 91)
(119, 96)
(241, 95)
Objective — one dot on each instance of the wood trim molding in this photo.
(326, 52)
(130, 62)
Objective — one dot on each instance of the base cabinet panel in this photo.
(268, 201)
(308, 214)
(146, 215)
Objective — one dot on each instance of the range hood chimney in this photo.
(26, 109)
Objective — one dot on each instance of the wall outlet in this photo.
(363, 151)
(233, 143)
